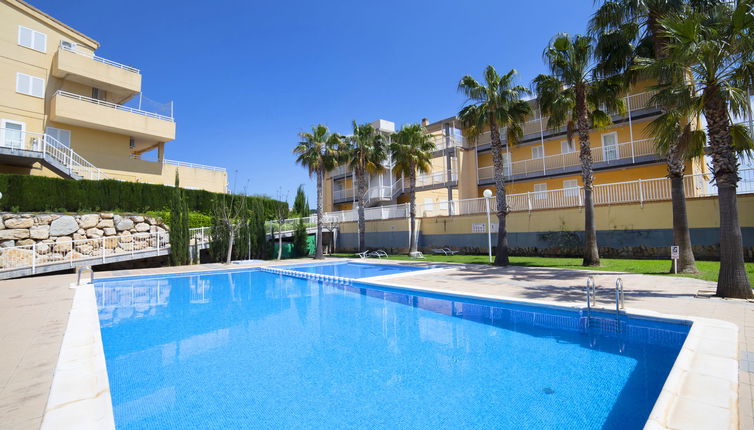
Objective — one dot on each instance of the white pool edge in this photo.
(80, 393)
(700, 392)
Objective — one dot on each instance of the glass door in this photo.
(610, 150)
(12, 134)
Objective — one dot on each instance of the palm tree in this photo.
(364, 152)
(318, 151)
(576, 96)
(411, 150)
(626, 29)
(716, 48)
(493, 105)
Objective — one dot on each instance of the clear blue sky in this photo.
(246, 77)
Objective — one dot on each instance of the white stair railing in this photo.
(50, 148)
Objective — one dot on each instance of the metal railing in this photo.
(194, 165)
(49, 147)
(538, 124)
(97, 58)
(638, 191)
(447, 142)
(600, 154)
(111, 105)
(92, 250)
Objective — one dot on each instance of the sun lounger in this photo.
(444, 251)
(363, 254)
(379, 254)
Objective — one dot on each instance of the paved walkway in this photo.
(34, 314)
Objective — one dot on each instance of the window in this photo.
(99, 94)
(540, 191)
(610, 148)
(30, 85)
(537, 151)
(32, 39)
(62, 136)
(567, 147)
(12, 133)
(571, 188)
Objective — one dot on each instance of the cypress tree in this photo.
(179, 227)
(300, 240)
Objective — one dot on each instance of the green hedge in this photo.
(196, 219)
(25, 193)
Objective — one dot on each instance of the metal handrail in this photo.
(99, 59)
(618, 295)
(194, 165)
(50, 147)
(591, 294)
(113, 105)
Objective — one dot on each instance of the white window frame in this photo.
(34, 36)
(534, 149)
(3, 126)
(571, 188)
(616, 147)
(540, 191)
(31, 86)
(566, 147)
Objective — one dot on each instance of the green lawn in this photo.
(708, 269)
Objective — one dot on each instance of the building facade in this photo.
(66, 112)
(543, 161)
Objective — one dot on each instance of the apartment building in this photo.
(543, 160)
(67, 112)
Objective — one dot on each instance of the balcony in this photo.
(637, 105)
(74, 109)
(120, 81)
(602, 157)
(343, 195)
(447, 142)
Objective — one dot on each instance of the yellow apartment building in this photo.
(66, 112)
(542, 161)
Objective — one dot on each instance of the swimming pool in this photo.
(250, 349)
(353, 270)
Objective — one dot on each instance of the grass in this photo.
(708, 270)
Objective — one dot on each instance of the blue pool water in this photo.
(250, 349)
(353, 270)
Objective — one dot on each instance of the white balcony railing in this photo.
(639, 191)
(96, 58)
(51, 149)
(538, 124)
(600, 154)
(111, 105)
(194, 165)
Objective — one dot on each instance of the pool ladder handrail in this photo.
(591, 294)
(80, 270)
(619, 296)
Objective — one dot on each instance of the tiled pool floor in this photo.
(34, 312)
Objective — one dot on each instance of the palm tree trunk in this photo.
(681, 234)
(732, 280)
(318, 253)
(361, 190)
(591, 252)
(501, 251)
(412, 211)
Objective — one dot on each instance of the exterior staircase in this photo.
(22, 148)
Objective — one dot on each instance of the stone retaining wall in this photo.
(58, 235)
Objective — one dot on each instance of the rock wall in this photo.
(56, 235)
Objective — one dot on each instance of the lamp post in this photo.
(487, 194)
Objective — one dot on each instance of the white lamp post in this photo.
(487, 194)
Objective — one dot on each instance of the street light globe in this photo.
(487, 193)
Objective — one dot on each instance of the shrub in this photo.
(26, 193)
(179, 227)
(300, 240)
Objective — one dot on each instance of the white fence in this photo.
(96, 58)
(194, 165)
(101, 250)
(49, 147)
(638, 191)
(110, 105)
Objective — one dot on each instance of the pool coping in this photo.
(700, 392)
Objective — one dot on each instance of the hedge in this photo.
(25, 193)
